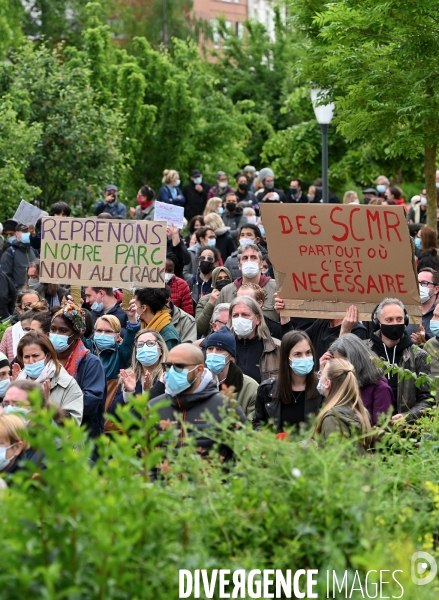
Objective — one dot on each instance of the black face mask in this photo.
(206, 267)
(222, 284)
(231, 206)
(243, 186)
(393, 332)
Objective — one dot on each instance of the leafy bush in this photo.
(77, 531)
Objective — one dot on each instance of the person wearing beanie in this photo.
(9, 233)
(110, 204)
(269, 193)
(220, 347)
(221, 277)
(18, 257)
(5, 377)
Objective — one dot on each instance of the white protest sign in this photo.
(27, 214)
(173, 215)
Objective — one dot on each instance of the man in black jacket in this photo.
(192, 391)
(195, 193)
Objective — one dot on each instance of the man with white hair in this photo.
(418, 210)
(391, 342)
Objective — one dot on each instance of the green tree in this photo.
(18, 142)
(378, 60)
(11, 20)
(79, 149)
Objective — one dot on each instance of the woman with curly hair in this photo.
(68, 324)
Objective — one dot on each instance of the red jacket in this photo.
(181, 295)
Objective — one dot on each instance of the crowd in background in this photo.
(215, 325)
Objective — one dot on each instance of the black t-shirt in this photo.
(322, 335)
(248, 355)
(293, 413)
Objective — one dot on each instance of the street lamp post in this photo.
(323, 113)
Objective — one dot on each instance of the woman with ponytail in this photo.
(344, 412)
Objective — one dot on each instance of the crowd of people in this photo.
(216, 329)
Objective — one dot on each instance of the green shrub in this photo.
(107, 531)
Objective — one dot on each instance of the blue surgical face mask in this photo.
(211, 242)
(4, 462)
(177, 382)
(148, 355)
(3, 387)
(381, 188)
(12, 239)
(33, 283)
(59, 342)
(103, 341)
(215, 362)
(302, 366)
(418, 243)
(97, 306)
(34, 370)
(198, 180)
(177, 183)
(434, 327)
(25, 238)
(262, 230)
(19, 411)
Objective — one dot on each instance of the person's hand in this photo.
(110, 196)
(324, 359)
(128, 380)
(46, 392)
(147, 384)
(418, 337)
(132, 212)
(398, 417)
(175, 235)
(31, 229)
(199, 188)
(214, 295)
(267, 196)
(16, 370)
(132, 312)
(350, 320)
(279, 304)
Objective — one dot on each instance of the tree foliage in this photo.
(378, 59)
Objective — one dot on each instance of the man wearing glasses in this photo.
(192, 390)
(428, 280)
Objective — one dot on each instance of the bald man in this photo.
(191, 390)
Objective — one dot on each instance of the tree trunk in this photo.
(430, 184)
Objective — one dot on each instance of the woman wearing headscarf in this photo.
(68, 324)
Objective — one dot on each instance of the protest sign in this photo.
(327, 257)
(27, 214)
(100, 252)
(173, 215)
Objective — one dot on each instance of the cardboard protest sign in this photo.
(327, 257)
(100, 252)
(28, 214)
(173, 215)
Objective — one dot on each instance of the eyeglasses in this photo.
(207, 258)
(222, 322)
(426, 283)
(149, 343)
(178, 367)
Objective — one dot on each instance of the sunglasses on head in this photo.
(178, 367)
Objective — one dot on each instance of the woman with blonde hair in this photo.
(224, 240)
(214, 205)
(150, 352)
(344, 412)
(15, 449)
(170, 193)
(350, 197)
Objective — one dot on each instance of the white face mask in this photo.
(222, 184)
(246, 241)
(168, 277)
(242, 327)
(250, 269)
(424, 292)
(4, 462)
(424, 201)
